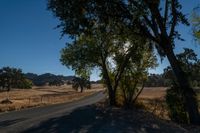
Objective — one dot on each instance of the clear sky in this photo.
(29, 41)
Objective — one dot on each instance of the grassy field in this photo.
(153, 98)
(153, 93)
(45, 95)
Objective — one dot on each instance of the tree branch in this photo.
(174, 18)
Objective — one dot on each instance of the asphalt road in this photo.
(20, 121)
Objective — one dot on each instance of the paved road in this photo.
(19, 121)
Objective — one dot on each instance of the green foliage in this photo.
(111, 24)
(13, 78)
(25, 84)
(190, 64)
(106, 50)
(56, 82)
(174, 100)
(135, 74)
(80, 82)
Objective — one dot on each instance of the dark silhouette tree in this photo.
(190, 64)
(160, 26)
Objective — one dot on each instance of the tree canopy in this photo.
(13, 78)
(152, 22)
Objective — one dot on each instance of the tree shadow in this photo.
(91, 119)
(86, 118)
(10, 122)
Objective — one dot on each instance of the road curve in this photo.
(18, 121)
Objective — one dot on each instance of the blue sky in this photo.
(29, 41)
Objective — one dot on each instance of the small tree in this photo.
(135, 75)
(175, 104)
(80, 82)
(12, 78)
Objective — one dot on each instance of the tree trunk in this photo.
(111, 91)
(190, 102)
(138, 93)
(81, 89)
(112, 98)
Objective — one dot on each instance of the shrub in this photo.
(175, 104)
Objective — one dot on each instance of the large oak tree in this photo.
(153, 19)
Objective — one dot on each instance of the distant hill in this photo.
(30, 76)
(47, 78)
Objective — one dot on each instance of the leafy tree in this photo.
(175, 98)
(100, 50)
(160, 27)
(190, 64)
(154, 20)
(24, 84)
(135, 75)
(80, 82)
(175, 104)
(13, 78)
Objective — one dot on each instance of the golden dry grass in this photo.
(153, 93)
(45, 95)
(153, 98)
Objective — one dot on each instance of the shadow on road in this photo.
(86, 119)
(10, 122)
(93, 120)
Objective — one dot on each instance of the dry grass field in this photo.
(45, 95)
(153, 93)
(153, 98)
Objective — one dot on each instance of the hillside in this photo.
(47, 78)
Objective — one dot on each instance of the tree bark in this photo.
(81, 88)
(111, 92)
(112, 98)
(190, 102)
(138, 93)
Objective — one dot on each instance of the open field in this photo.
(153, 93)
(45, 95)
(153, 98)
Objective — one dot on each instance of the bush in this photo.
(24, 84)
(175, 104)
